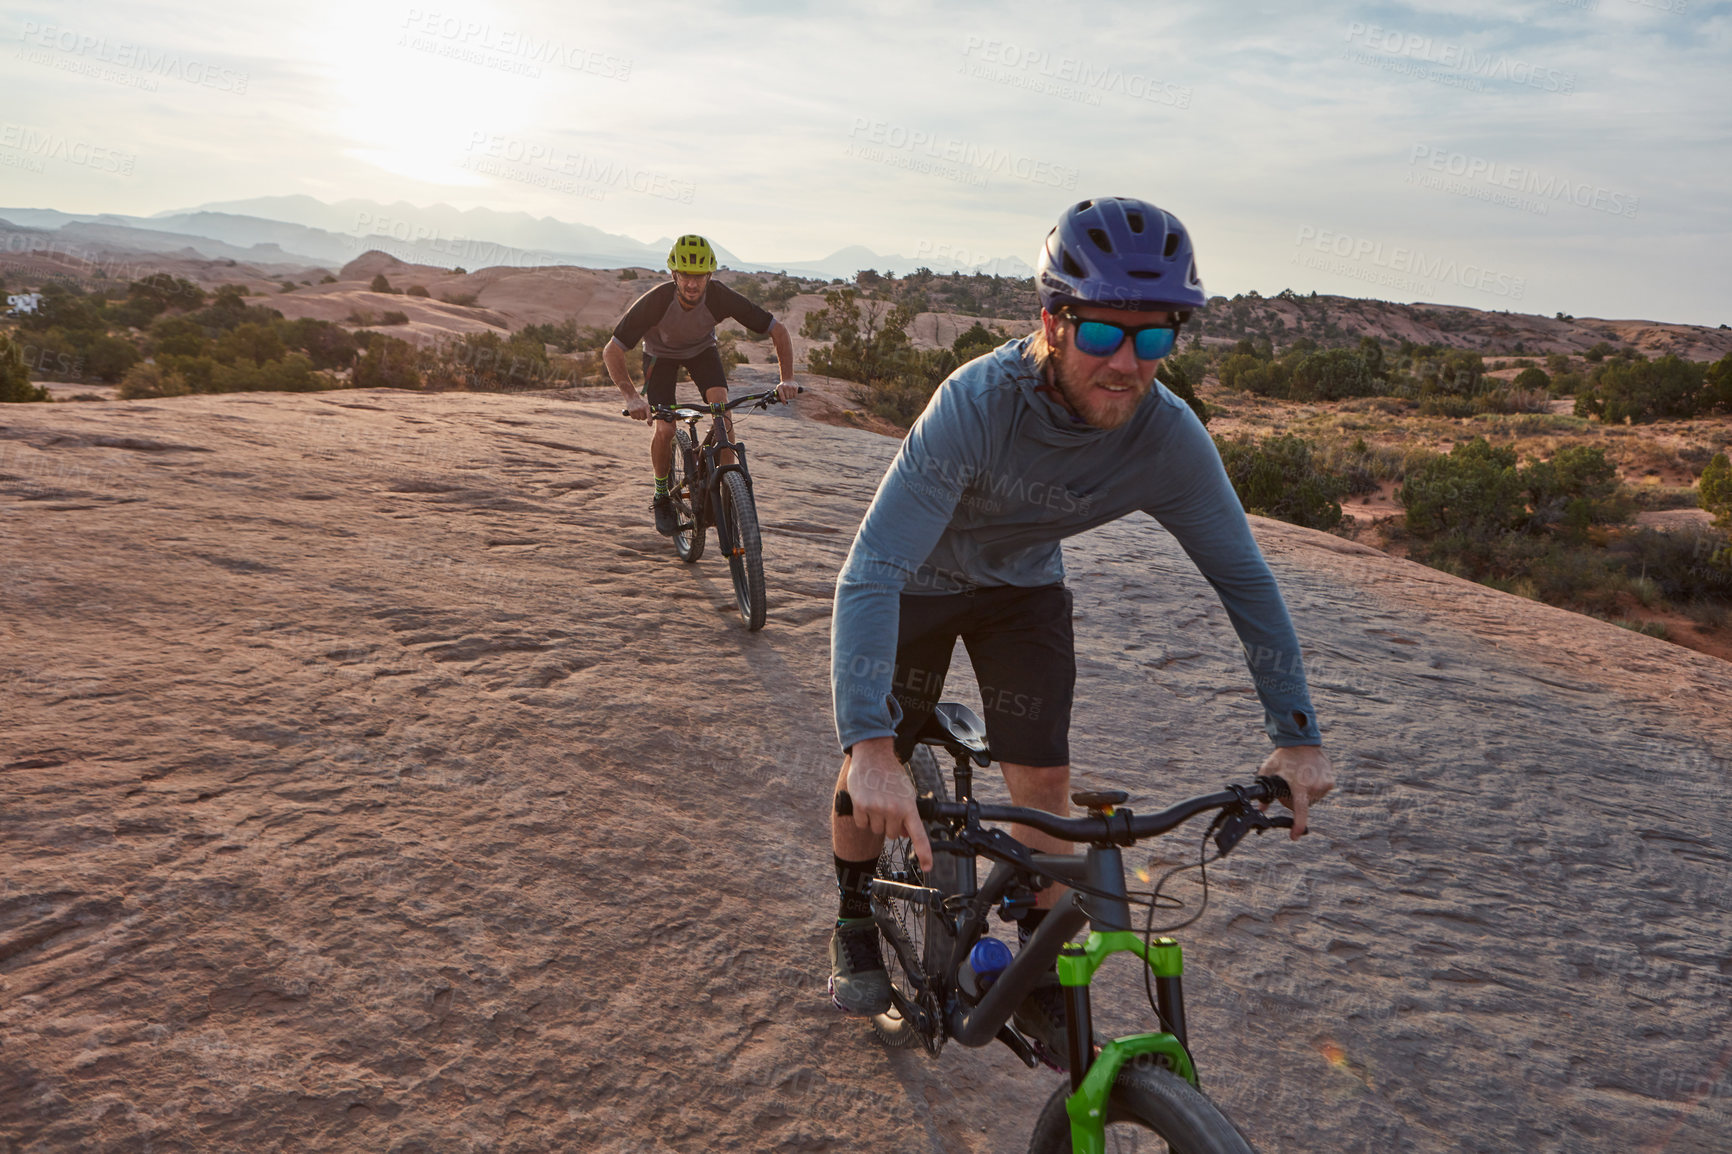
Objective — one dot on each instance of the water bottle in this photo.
(985, 962)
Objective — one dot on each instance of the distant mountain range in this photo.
(300, 229)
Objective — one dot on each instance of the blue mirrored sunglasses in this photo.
(1103, 338)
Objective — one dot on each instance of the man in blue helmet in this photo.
(1039, 440)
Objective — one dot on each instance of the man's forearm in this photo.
(613, 359)
(784, 349)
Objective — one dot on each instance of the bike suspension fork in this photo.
(1082, 1032)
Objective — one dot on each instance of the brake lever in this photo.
(1230, 829)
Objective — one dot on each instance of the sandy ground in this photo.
(373, 777)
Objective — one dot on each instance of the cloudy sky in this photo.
(1531, 155)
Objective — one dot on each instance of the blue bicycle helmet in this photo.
(1119, 252)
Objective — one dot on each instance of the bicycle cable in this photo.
(1201, 865)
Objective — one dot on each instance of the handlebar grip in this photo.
(1277, 786)
(844, 804)
(927, 806)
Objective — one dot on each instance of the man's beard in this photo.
(1101, 410)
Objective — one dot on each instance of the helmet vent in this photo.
(1135, 220)
(1144, 273)
(1101, 239)
(1174, 239)
(1071, 267)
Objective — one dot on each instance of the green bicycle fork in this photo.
(1092, 1076)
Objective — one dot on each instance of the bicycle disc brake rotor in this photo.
(913, 920)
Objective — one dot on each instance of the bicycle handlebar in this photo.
(1120, 827)
(687, 412)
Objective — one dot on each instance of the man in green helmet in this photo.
(677, 322)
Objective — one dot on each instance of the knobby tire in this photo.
(746, 562)
(1146, 1099)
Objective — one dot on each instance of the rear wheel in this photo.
(917, 939)
(746, 559)
(1146, 1102)
(689, 536)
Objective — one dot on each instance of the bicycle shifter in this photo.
(1230, 828)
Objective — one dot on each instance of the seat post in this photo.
(964, 776)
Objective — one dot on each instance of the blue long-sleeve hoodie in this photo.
(989, 481)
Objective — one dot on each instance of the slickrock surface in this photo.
(373, 777)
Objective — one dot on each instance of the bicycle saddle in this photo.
(955, 727)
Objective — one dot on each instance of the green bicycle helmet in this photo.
(691, 253)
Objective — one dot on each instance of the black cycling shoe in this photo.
(666, 519)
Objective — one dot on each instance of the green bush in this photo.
(1180, 383)
(1714, 490)
(1533, 378)
(416, 290)
(1333, 375)
(1474, 493)
(1642, 391)
(15, 386)
(388, 364)
(393, 317)
(380, 284)
(1282, 478)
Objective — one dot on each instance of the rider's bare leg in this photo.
(1040, 787)
(662, 447)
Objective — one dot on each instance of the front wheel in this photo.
(1146, 1100)
(746, 555)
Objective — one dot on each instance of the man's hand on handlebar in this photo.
(787, 390)
(638, 409)
(883, 795)
(1308, 774)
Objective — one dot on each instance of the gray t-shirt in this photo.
(669, 329)
(989, 481)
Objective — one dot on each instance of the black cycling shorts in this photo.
(1024, 654)
(659, 373)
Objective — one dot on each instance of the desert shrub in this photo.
(628, 274)
(179, 336)
(292, 373)
(1282, 478)
(1716, 386)
(1181, 384)
(248, 342)
(1474, 493)
(562, 336)
(388, 364)
(15, 386)
(1333, 375)
(1533, 378)
(416, 290)
(146, 379)
(393, 317)
(108, 358)
(467, 300)
(1684, 566)
(1714, 490)
(380, 284)
(327, 279)
(329, 345)
(1642, 391)
(1362, 467)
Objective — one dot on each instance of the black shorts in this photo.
(659, 374)
(1024, 655)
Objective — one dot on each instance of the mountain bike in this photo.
(708, 490)
(932, 921)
